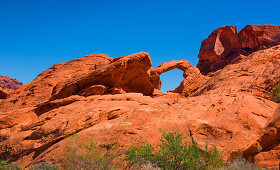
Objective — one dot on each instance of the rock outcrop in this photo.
(113, 99)
(225, 45)
(9, 83)
(40, 89)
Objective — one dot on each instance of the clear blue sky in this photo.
(35, 34)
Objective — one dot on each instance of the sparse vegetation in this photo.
(276, 93)
(44, 166)
(82, 153)
(6, 165)
(240, 164)
(174, 152)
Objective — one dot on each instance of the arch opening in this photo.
(171, 80)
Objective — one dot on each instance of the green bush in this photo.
(45, 166)
(174, 152)
(276, 93)
(6, 165)
(82, 153)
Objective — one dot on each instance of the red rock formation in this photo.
(230, 109)
(259, 37)
(224, 45)
(40, 89)
(9, 83)
(219, 49)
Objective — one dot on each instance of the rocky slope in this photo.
(225, 45)
(118, 100)
(9, 83)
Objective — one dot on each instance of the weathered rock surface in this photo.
(127, 72)
(9, 83)
(3, 93)
(232, 109)
(259, 37)
(266, 149)
(40, 90)
(225, 45)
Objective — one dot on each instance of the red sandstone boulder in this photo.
(225, 45)
(127, 72)
(9, 83)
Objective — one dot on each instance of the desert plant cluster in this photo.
(276, 93)
(173, 152)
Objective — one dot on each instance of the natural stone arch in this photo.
(165, 67)
(192, 76)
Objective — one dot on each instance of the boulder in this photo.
(127, 72)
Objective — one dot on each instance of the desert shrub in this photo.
(44, 166)
(240, 164)
(82, 153)
(6, 165)
(174, 152)
(276, 93)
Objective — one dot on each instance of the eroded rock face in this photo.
(218, 49)
(127, 72)
(9, 83)
(225, 45)
(259, 37)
